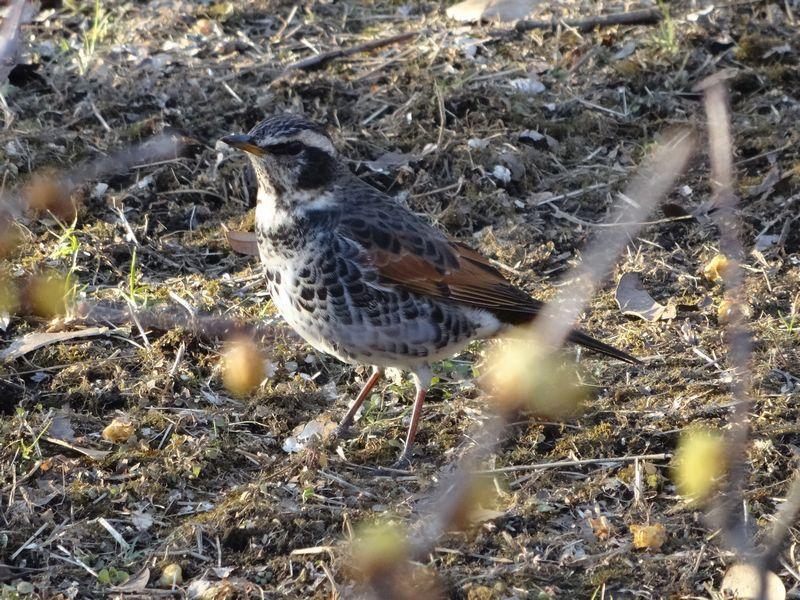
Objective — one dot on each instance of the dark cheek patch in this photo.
(316, 170)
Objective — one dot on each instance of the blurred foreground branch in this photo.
(458, 492)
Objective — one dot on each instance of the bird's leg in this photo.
(422, 379)
(347, 421)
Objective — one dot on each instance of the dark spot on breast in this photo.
(410, 311)
(322, 293)
(277, 277)
(336, 290)
(304, 273)
(437, 316)
(357, 289)
(382, 238)
(307, 293)
(356, 223)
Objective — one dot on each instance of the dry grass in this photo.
(204, 481)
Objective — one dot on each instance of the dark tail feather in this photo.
(587, 341)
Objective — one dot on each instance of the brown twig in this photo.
(645, 16)
(206, 326)
(320, 60)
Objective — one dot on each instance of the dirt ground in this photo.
(514, 144)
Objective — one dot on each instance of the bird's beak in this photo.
(243, 142)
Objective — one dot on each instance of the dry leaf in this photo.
(634, 300)
(601, 527)
(137, 583)
(501, 10)
(118, 431)
(34, 341)
(742, 581)
(651, 537)
(60, 426)
(243, 242)
(389, 162)
(303, 434)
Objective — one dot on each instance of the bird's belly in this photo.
(386, 332)
(308, 324)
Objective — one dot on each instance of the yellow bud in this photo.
(700, 461)
(46, 295)
(726, 308)
(522, 377)
(171, 576)
(378, 548)
(242, 367)
(9, 296)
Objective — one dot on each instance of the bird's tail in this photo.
(583, 339)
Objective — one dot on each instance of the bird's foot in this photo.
(403, 463)
(341, 433)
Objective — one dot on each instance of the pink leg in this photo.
(347, 421)
(422, 381)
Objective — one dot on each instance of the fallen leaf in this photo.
(501, 173)
(766, 241)
(141, 520)
(34, 341)
(61, 428)
(135, 584)
(501, 10)
(634, 300)
(391, 161)
(743, 581)
(243, 242)
(651, 537)
(303, 434)
(528, 85)
(601, 527)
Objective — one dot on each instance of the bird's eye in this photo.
(287, 148)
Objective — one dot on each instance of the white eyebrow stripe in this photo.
(316, 140)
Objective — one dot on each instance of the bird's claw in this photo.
(403, 463)
(341, 433)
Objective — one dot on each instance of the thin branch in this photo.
(728, 514)
(646, 16)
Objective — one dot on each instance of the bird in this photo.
(362, 278)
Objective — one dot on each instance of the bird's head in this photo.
(289, 154)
